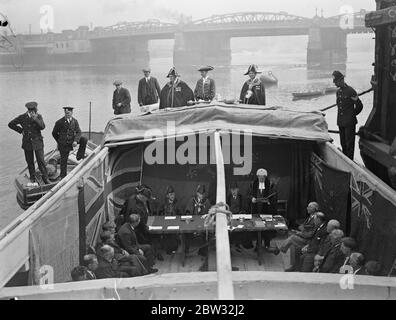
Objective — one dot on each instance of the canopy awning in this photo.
(275, 122)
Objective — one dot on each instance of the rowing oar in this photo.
(335, 105)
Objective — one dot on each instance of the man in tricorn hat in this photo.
(176, 93)
(67, 134)
(121, 99)
(30, 125)
(349, 106)
(253, 90)
(149, 89)
(206, 87)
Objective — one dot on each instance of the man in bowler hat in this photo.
(30, 125)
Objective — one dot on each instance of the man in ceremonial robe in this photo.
(176, 93)
(253, 90)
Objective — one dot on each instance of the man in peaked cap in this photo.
(67, 134)
(121, 99)
(149, 89)
(349, 106)
(176, 93)
(206, 87)
(253, 90)
(30, 125)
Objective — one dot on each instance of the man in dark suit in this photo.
(318, 244)
(319, 232)
(130, 243)
(108, 267)
(122, 256)
(337, 255)
(139, 204)
(121, 99)
(67, 134)
(149, 89)
(91, 262)
(30, 125)
(349, 106)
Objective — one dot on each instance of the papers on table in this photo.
(185, 217)
(266, 217)
(170, 218)
(173, 228)
(155, 227)
(242, 216)
(280, 225)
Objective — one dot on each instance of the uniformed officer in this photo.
(30, 125)
(205, 88)
(253, 90)
(67, 134)
(349, 106)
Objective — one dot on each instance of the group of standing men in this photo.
(66, 133)
(177, 93)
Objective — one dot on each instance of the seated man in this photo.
(302, 237)
(308, 224)
(337, 255)
(122, 256)
(372, 268)
(236, 204)
(109, 268)
(263, 201)
(91, 262)
(318, 233)
(356, 261)
(333, 238)
(130, 243)
(170, 207)
(80, 273)
(139, 204)
(318, 242)
(198, 205)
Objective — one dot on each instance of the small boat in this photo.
(29, 192)
(307, 94)
(269, 78)
(329, 90)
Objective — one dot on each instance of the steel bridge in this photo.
(234, 23)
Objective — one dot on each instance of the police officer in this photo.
(349, 106)
(67, 134)
(30, 125)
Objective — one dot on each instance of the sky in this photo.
(69, 14)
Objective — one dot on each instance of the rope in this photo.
(210, 218)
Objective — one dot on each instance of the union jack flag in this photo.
(362, 199)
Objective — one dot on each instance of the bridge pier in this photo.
(201, 48)
(121, 51)
(327, 49)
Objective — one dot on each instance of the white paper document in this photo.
(155, 227)
(173, 228)
(170, 218)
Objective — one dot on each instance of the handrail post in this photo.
(225, 289)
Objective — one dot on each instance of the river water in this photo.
(77, 86)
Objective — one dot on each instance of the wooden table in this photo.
(239, 223)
